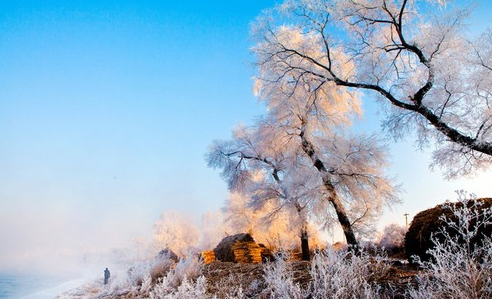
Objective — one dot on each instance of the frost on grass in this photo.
(185, 278)
(332, 275)
(186, 289)
(280, 281)
(176, 280)
(338, 275)
(329, 275)
(461, 261)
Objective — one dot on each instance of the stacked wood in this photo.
(208, 256)
(247, 252)
(427, 223)
(240, 248)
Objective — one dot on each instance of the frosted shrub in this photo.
(393, 238)
(161, 267)
(461, 261)
(232, 292)
(342, 275)
(193, 289)
(184, 281)
(334, 275)
(279, 280)
(230, 287)
(190, 267)
(131, 280)
(188, 289)
(143, 273)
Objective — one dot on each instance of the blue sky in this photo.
(107, 110)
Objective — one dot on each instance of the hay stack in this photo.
(426, 223)
(208, 256)
(247, 252)
(240, 248)
(167, 253)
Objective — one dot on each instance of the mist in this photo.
(57, 243)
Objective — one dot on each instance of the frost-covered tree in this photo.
(268, 225)
(274, 178)
(309, 157)
(177, 233)
(393, 238)
(407, 53)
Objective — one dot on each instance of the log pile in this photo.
(247, 252)
(208, 256)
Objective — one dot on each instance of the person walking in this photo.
(106, 276)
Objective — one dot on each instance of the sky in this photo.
(107, 109)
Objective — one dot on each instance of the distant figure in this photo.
(106, 276)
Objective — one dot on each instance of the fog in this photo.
(63, 245)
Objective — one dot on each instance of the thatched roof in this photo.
(426, 223)
(240, 248)
(223, 251)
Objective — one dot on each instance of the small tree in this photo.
(393, 238)
(269, 225)
(174, 232)
(273, 176)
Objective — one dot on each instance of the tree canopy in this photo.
(410, 54)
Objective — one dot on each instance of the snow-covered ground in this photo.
(53, 292)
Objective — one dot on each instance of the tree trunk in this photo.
(343, 219)
(305, 245)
